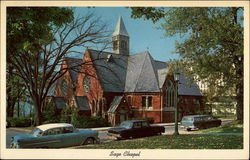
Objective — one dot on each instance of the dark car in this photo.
(134, 129)
(199, 122)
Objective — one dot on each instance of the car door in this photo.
(146, 130)
(51, 138)
(137, 130)
(71, 137)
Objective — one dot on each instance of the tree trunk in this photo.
(10, 106)
(239, 110)
(38, 112)
(18, 109)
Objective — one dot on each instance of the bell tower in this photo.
(120, 39)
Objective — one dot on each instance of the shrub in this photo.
(91, 122)
(19, 121)
(49, 114)
(149, 119)
(70, 115)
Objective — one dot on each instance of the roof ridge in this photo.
(154, 68)
(140, 73)
(72, 58)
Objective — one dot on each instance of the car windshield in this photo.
(126, 125)
(37, 132)
(187, 119)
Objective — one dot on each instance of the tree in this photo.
(212, 46)
(38, 39)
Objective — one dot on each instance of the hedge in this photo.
(19, 121)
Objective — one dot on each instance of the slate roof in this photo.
(74, 65)
(112, 73)
(115, 103)
(134, 73)
(185, 88)
(120, 28)
(59, 102)
(141, 74)
(82, 103)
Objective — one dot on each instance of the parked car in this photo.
(199, 122)
(55, 135)
(135, 128)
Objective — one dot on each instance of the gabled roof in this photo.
(120, 28)
(115, 104)
(112, 74)
(74, 65)
(59, 102)
(141, 74)
(82, 103)
(187, 88)
(134, 73)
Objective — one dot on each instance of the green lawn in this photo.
(233, 127)
(176, 142)
(183, 141)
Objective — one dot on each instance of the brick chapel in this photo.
(119, 85)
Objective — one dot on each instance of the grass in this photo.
(176, 142)
(183, 141)
(233, 127)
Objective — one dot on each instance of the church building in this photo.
(119, 85)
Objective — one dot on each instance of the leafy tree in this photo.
(212, 46)
(38, 39)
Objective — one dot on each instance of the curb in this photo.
(20, 130)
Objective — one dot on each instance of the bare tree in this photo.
(39, 67)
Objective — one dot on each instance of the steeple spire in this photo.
(120, 28)
(120, 38)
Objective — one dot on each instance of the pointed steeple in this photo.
(120, 38)
(120, 28)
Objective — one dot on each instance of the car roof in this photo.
(196, 116)
(135, 121)
(53, 125)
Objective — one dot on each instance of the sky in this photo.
(144, 35)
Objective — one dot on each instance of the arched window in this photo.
(86, 83)
(170, 94)
(93, 106)
(64, 87)
(124, 45)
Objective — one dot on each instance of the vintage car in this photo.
(55, 135)
(135, 128)
(199, 122)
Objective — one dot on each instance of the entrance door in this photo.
(122, 117)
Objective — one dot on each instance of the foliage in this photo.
(176, 142)
(233, 127)
(66, 114)
(150, 120)
(91, 122)
(148, 13)
(71, 115)
(19, 121)
(211, 46)
(38, 39)
(50, 115)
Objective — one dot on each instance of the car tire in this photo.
(89, 141)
